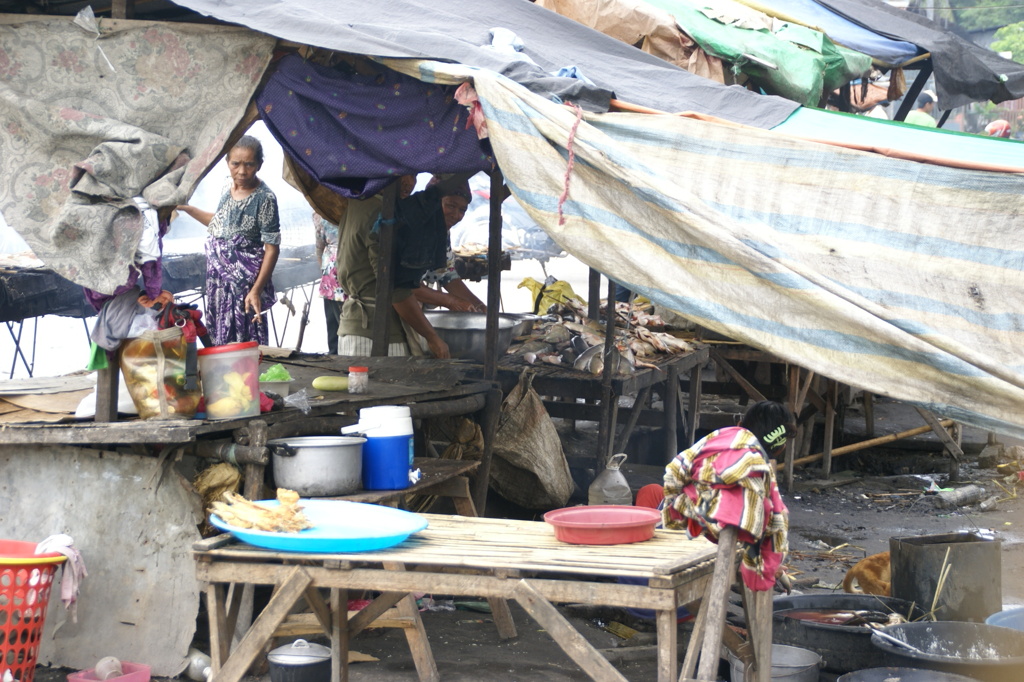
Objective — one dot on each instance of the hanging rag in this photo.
(726, 479)
(72, 571)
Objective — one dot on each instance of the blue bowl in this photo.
(1010, 618)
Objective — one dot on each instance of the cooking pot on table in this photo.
(318, 466)
(300, 661)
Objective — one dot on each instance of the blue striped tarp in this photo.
(898, 277)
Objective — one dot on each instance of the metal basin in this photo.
(465, 333)
(523, 322)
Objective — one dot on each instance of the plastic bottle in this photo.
(961, 497)
(610, 486)
(198, 665)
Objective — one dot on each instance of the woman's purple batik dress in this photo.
(234, 255)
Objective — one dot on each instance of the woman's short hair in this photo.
(771, 422)
(250, 142)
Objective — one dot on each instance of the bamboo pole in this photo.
(863, 445)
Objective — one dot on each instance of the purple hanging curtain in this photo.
(355, 133)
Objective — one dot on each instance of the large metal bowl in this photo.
(522, 323)
(465, 333)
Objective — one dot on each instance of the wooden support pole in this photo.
(792, 443)
(489, 427)
(693, 406)
(716, 602)
(670, 403)
(831, 397)
(758, 607)
(863, 445)
(609, 401)
(952, 447)
(493, 276)
(593, 295)
(386, 259)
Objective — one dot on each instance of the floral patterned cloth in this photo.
(726, 479)
(80, 138)
(327, 241)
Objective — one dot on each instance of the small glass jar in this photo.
(358, 379)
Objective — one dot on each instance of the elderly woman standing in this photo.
(242, 249)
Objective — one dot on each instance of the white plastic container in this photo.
(231, 380)
(610, 486)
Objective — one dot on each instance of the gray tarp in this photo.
(459, 31)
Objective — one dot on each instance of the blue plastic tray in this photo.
(338, 526)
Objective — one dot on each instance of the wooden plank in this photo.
(737, 377)
(572, 642)
(416, 636)
(339, 635)
(863, 445)
(951, 445)
(263, 629)
(668, 634)
(759, 629)
(369, 615)
(220, 635)
(716, 602)
(106, 390)
(320, 609)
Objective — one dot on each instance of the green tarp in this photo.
(785, 59)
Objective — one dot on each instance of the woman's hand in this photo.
(252, 302)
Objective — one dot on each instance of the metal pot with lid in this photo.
(318, 466)
(300, 661)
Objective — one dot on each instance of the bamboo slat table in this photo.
(491, 558)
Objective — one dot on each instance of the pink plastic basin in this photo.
(133, 672)
(603, 524)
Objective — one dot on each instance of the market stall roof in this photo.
(460, 31)
(964, 72)
(787, 59)
(885, 49)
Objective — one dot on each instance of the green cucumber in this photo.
(331, 383)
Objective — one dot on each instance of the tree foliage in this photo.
(977, 15)
(1010, 39)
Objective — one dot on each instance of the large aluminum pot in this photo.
(465, 333)
(318, 466)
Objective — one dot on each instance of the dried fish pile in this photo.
(566, 337)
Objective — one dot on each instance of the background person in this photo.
(332, 294)
(242, 249)
(438, 207)
(922, 115)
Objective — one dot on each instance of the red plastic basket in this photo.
(25, 583)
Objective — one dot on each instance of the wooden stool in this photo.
(709, 631)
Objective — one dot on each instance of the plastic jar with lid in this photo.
(358, 379)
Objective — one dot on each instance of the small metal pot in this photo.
(318, 466)
(300, 661)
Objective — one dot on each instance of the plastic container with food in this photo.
(230, 375)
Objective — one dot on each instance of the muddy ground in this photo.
(872, 496)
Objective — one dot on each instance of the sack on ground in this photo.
(529, 466)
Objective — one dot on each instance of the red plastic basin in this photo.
(603, 524)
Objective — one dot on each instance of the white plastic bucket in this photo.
(230, 378)
(789, 663)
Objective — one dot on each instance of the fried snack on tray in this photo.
(285, 518)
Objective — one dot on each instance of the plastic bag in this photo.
(154, 368)
(528, 466)
(299, 399)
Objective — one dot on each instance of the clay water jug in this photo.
(610, 486)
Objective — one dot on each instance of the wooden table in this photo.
(490, 558)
